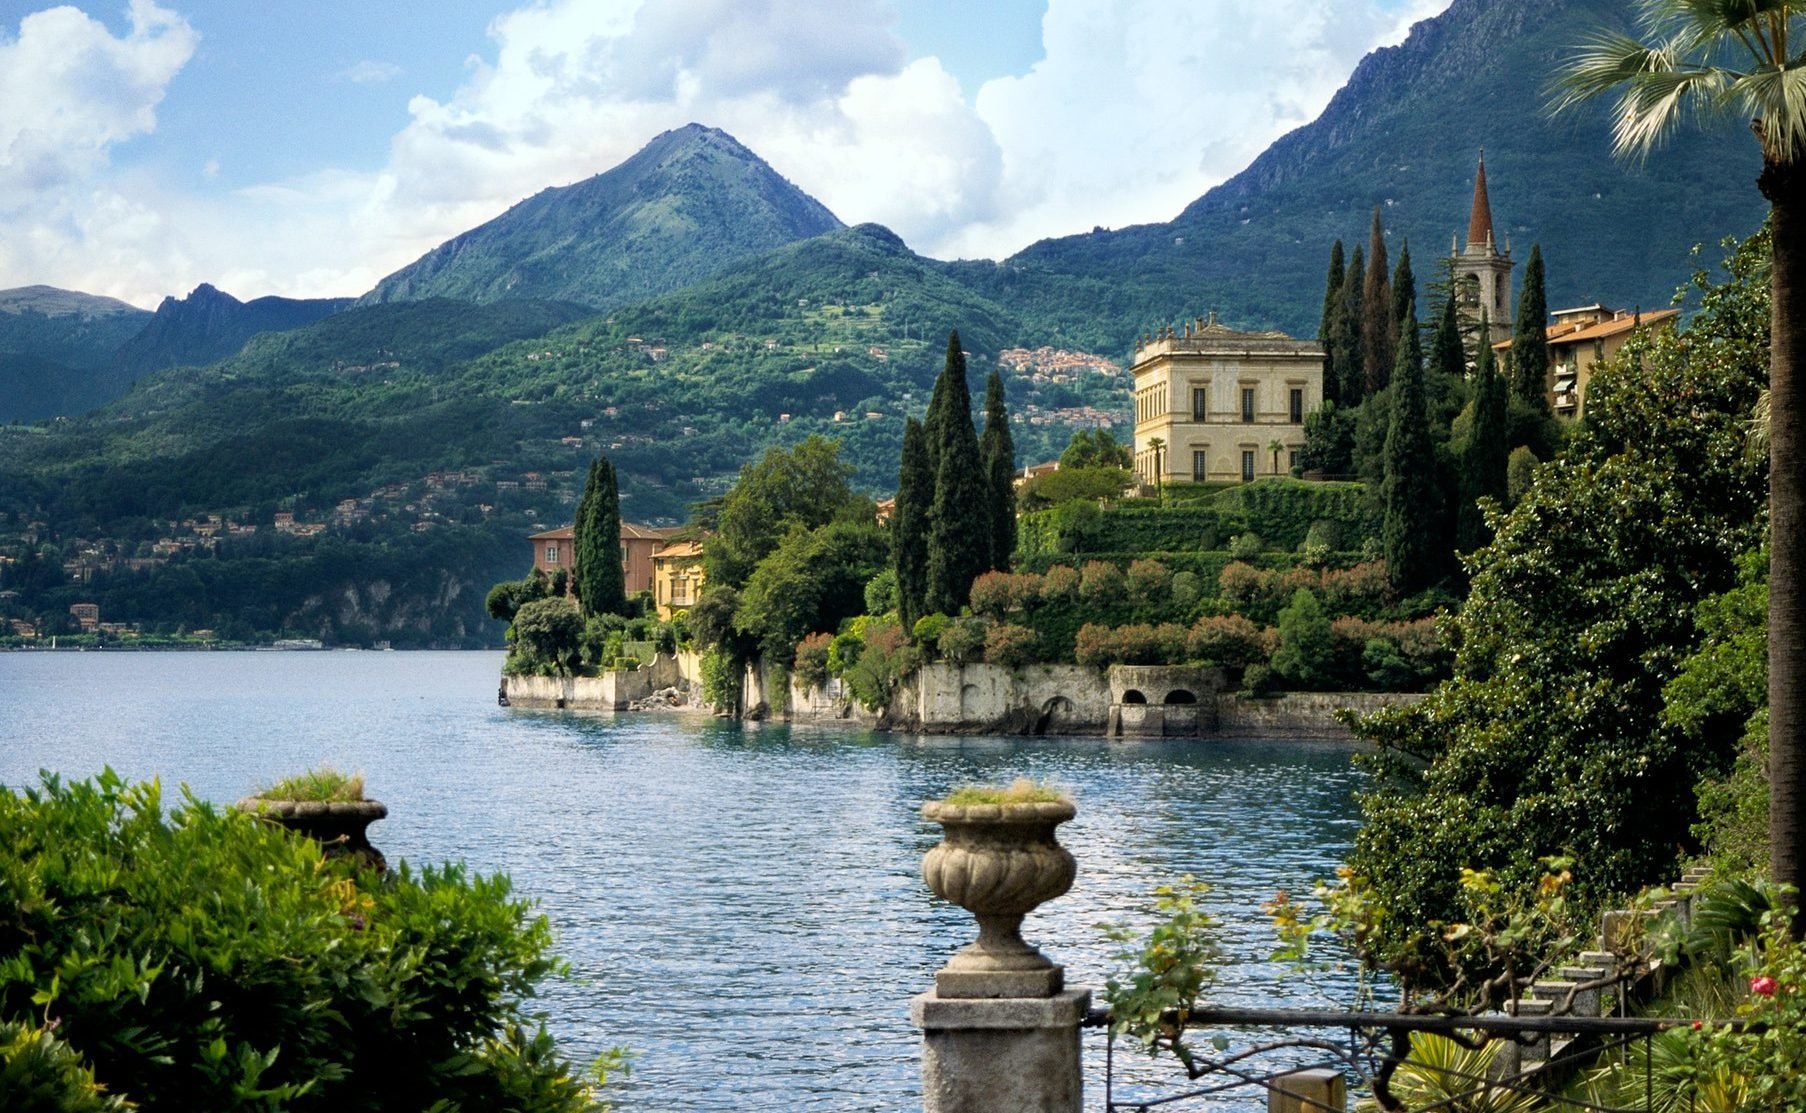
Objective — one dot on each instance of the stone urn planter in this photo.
(999, 862)
(339, 826)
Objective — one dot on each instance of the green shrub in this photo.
(41, 1074)
(1067, 484)
(964, 639)
(548, 636)
(721, 679)
(928, 629)
(1246, 545)
(1186, 590)
(885, 659)
(200, 959)
(1306, 646)
(881, 592)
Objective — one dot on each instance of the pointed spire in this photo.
(1479, 222)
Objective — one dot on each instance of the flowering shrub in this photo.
(1060, 584)
(992, 594)
(1101, 583)
(1355, 590)
(1231, 641)
(1241, 584)
(1149, 581)
(812, 659)
(1137, 644)
(1010, 646)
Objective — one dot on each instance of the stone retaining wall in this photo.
(610, 691)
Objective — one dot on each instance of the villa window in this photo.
(1247, 465)
(1247, 405)
(1199, 409)
(1197, 466)
(551, 553)
(1292, 460)
(1297, 406)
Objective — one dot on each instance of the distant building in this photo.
(1580, 340)
(1482, 272)
(554, 551)
(677, 576)
(1217, 400)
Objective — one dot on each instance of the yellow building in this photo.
(1580, 340)
(676, 576)
(1216, 405)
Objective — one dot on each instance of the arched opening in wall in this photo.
(1180, 695)
(968, 701)
(1056, 714)
(1133, 696)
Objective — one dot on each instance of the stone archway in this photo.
(1057, 716)
(1180, 695)
(1134, 695)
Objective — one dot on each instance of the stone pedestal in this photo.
(998, 1054)
(1318, 1090)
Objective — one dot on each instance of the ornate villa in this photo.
(1216, 405)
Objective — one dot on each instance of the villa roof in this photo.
(1578, 332)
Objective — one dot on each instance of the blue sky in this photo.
(308, 149)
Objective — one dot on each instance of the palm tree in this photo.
(1158, 444)
(1733, 57)
(1274, 447)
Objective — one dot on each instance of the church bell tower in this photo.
(1482, 271)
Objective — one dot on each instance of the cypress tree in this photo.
(1404, 289)
(1408, 486)
(1483, 462)
(1446, 353)
(1326, 331)
(1350, 382)
(958, 544)
(601, 582)
(909, 523)
(1530, 341)
(1379, 328)
(997, 452)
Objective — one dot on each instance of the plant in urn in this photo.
(326, 806)
(999, 860)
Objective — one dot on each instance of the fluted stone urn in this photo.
(339, 826)
(999, 862)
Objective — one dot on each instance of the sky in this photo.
(308, 150)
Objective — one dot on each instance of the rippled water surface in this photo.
(740, 904)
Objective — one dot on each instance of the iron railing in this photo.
(1376, 1043)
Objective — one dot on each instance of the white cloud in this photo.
(369, 72)
(1136, 108)
(69, 90)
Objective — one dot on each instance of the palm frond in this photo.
(1777, 97)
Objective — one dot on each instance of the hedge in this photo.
(1280, 511)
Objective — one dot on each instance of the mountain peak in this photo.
(687, 204)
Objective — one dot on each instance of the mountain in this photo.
(210, 324)
(1404, 134)
(688, 204)
(52, 342)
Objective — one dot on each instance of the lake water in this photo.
(741, 904)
